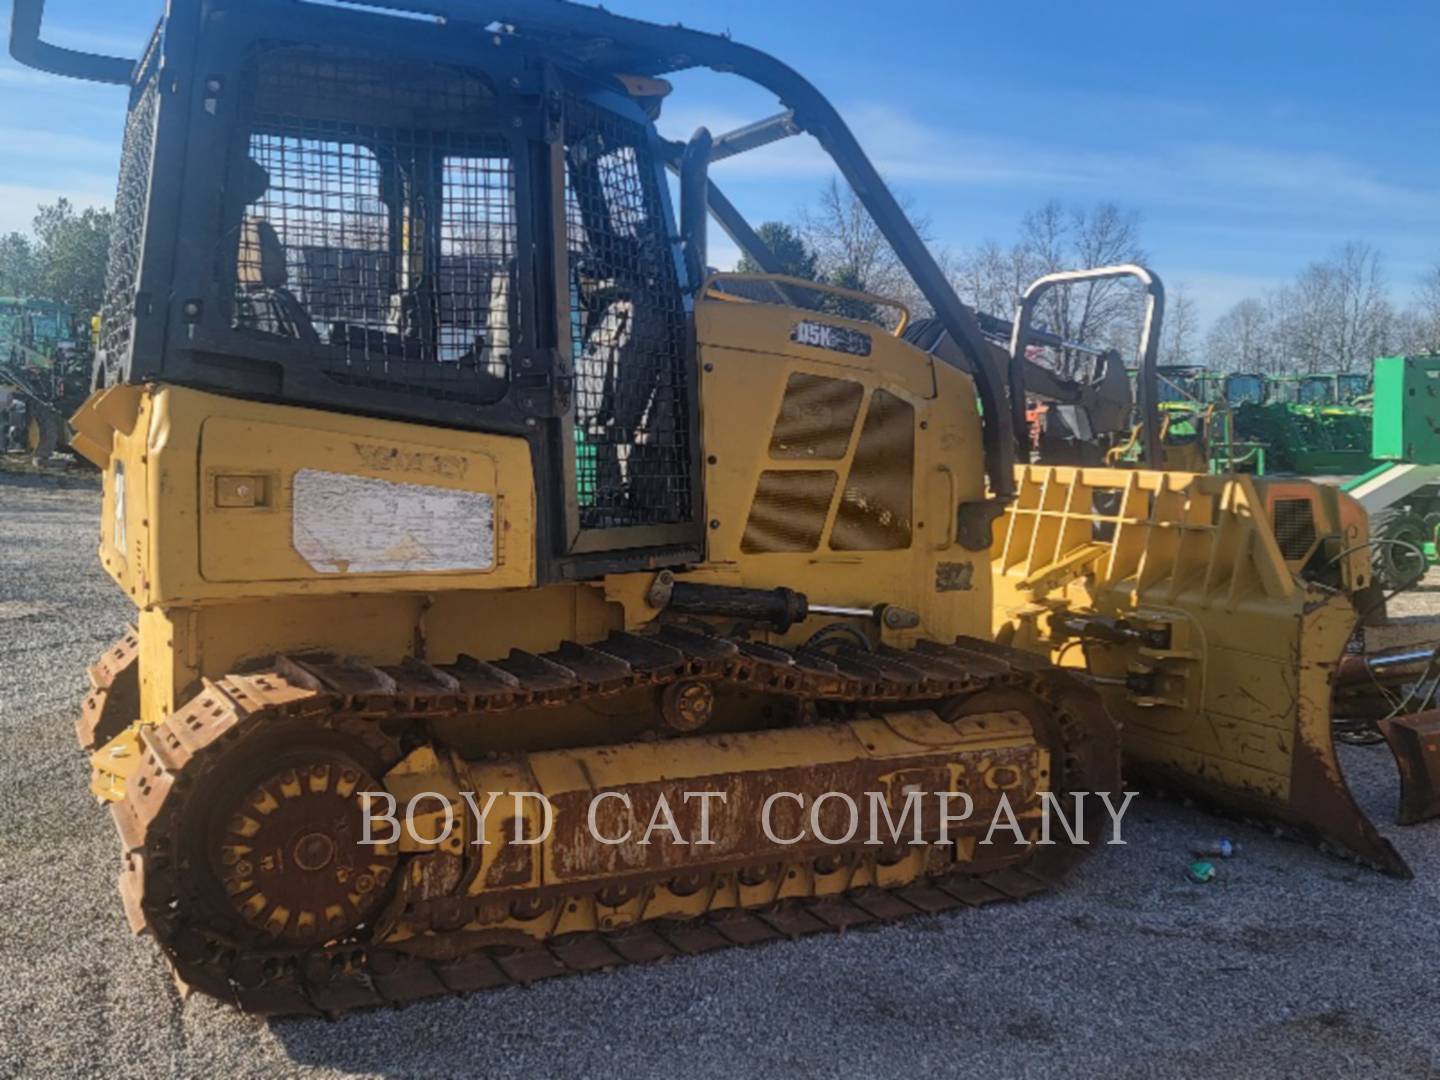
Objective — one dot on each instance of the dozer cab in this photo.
(441, 469)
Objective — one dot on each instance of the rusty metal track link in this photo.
(114, 697)
(366, 702)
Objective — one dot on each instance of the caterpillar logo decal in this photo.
(840, 339)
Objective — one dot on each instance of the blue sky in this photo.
(1252, 137)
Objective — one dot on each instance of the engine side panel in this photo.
(212, 499)
(839, 474)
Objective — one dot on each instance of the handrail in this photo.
(1149, 336)
(814, 286)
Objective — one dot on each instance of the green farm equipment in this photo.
(1310, 425)
(1402, 492)
(45, 360)
(35, 332)
(1305, 425)
(1197, 419)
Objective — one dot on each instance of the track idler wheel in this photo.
(1074, 725)
(283, 841)
(687, 706)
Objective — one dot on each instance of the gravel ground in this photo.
(1289, 964)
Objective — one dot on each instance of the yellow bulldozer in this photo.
(445, 475)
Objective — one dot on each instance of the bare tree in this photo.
(850, 250)
(1366, 314)
(991, 278)
(1055, 237)
(1421, 329)
(1337, 316)
(1181, 329)
(1105, 236)
(1305, 319)
(844, 237)
(1411, 333)
(1244, 339)
(1429, 300)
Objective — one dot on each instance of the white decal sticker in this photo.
(820, 335)
(118, 530)
(346, 524)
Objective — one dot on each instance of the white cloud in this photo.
(38, 144)
(1208, 206)
(1214, 176)
(1311, 177)
(1215, 292)
(10, 75)
(87, 40)
(19, 201)
(904, 149)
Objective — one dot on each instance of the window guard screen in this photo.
(376, 229)
(127, 232)
(628, 330)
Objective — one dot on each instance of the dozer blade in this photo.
(1415, 742)
(1215, 655)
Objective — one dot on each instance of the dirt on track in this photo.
(1289, 964)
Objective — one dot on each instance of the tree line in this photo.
(835, 241)
(1336, 315)
(63, 258)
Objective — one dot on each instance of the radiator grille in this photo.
(1294, 528)
(876, 507)
(127, 232)
(789, 511)
(817, 418)
(628, 329)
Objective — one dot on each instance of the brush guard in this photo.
(1203, 633)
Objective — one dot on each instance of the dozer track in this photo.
(411, 943)
(114, 698)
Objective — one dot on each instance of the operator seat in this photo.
(263, 300)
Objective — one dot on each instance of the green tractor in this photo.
(1198, 424)
(45, 360)
(1402, 492)
(1309, 425)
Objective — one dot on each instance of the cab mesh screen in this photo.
(379, 221)
(627, 325)
(127, 232)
